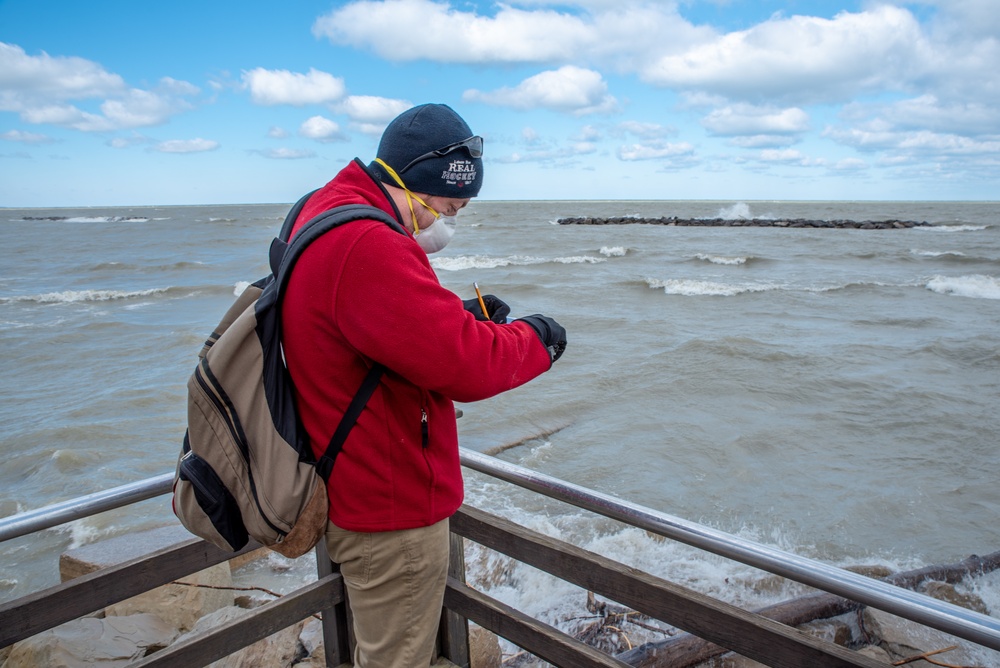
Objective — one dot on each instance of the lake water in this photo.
(830, 392)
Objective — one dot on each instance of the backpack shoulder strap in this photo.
(283, 256)
(284, 253)
(324, 465)
(293, 215)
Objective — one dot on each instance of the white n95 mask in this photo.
(436, 236)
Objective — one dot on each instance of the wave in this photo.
(952, 228)
(944, 254)
(953, 257)
(977, 286)
(88, 296)
(722, 259)
(701, 288)
(92, 219)
(698, 288)
(740, 211)
(462, 262)
(145, 268)
(614, 251)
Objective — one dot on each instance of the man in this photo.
(365, 293)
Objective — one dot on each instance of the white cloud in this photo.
(850, 165)
(803, 58)
(287, 154)
(141, 108)
(645, 130)
(791, 157)
(446, 35)
(26, 137)
(558, 156)
(372, 109)
(654, 150)
(271, 87)
(370, 114)
(762, 141)
(928, 112)
(530, 136)
(40, 89)
(569, 89)
(198, 145)
(321, 129)
(27, 81)
(746, 119)
(588, 133)
(277, 133)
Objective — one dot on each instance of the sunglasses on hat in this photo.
(474, 145)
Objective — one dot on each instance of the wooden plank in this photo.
(337, 620)
(453, 635)
(34, 613)
(743, 632)
(257, 624)
(542, 640)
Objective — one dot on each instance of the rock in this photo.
(179, 605)
(88, 641)
(947, 592)
(484, 648)
(278, 649)
(876, 652)
(745, 222)
(731, 661)
(183, 604)
(833, 630)
(902, 638)
(311, 637)
(118, 550)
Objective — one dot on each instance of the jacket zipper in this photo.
(424, 430)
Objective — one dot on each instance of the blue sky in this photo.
(135, 103)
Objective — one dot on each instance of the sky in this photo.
(125, 103)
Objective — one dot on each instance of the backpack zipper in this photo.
(218, 396)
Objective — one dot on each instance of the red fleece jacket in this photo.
(364, 293)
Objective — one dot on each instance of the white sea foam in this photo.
(458, 263)
(74, 296)
(107, 219)
(721, 259)
(976, 286)
(738, 211)
(82, 532)
(578, 259)
(921, 253)
(695, 288)
(240, 287)
(614, 251)
(951, 228)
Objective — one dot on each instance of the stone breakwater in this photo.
(673, 221)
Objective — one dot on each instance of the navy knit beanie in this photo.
(419, 131)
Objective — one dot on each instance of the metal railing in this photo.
(963, 623)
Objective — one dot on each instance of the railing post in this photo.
(337, 636)
(453, 633)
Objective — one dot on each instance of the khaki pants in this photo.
(395, 584)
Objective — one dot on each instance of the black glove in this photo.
(497, 309)
(552, 334)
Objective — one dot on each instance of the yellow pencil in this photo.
(482, 304)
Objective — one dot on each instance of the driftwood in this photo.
(685, 650)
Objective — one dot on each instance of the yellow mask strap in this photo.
(409, 196)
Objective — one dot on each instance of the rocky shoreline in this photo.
(674, 221)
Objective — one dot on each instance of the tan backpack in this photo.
(246, 469)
